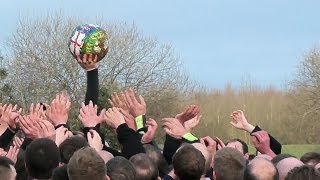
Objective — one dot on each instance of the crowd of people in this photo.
(38, 144)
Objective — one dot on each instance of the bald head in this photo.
(207, 155)
(261, 169)
(286, 165)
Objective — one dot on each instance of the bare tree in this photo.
(41, 65)
(305, 94)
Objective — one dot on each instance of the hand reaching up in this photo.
(36, 112)
(94, 140)
(62, 134)
(261, 142)
(136, 107)
(88, 62)
(58, 110)
(239, 121)
(119, 101)
(114, 118)
(88, 115)
(12, 153)
(149, 135)
(35, 129)
(10, 116)
(174, 128)
(190, 118)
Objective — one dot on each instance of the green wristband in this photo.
(189, 137)
(139, 122)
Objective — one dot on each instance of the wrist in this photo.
(140, 121)
(249, 128)
(118, 124)
(190, 137)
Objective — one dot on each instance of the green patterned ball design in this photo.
(88, 39)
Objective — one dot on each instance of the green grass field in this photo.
(295, 149)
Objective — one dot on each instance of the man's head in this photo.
(240, 145)
(7, 170)
(60, 173)
(156, 156)
(286, 165)
(145, 168)
(261, 169)
(206, 154)
(86, 164)
(41, 157)
(71, 145)
(229, 163)
(303, 173)
(311, 158)
(280, 157)
(188, 163)
(119, 168)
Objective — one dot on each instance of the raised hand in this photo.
(220, 143)
(189, 113)
(30, 127)
(114, 118)
(136, 108)
(10, 115)
(129, 119)
(190, 118)
(174, 128)
(88, 62)
(13, 153)
(36, 112)
(119, 101)
(239, 121)
(149, 135)
(62, 134)
(88, 115)
(210, 143)
(35, 129)
(261, 142)
(47, 130)
(59, 109)
(94, 140)
(190, 124)
(17, 141)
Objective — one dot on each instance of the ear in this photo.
(158, 178)
(107, 177)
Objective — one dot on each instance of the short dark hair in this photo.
(188, 163)
(41, 157)
(6, 166)
(86, 164)
(229, 163)
(145, 168)
(60, 173)
(302, 173)
(280, 157)
(311, 157)
(119, 168)
(245, 148)
(20, 166)
(71, 145)
(156, 156)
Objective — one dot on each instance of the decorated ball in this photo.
(88, 39)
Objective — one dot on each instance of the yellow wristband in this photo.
(139, 122)
(189, 137)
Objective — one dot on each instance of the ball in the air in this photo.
(88, 39)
